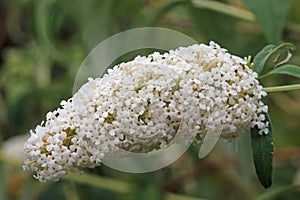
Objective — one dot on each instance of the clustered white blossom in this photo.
(139, 105)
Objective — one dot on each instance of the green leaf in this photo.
(275, 193)
(261, 58)
(291, 70)
(278, 55)
(270, 15)
(150, 15)
(262, 150)
(227, 25)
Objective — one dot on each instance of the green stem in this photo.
(97, 181)
(282, 88)
(225, 9)
(116, 185)
(235, 12)
(100, 182)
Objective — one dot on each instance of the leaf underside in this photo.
(277, 55)
(291, 70)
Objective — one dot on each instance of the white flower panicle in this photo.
(139, 105)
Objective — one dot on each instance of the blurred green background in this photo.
(43, 43)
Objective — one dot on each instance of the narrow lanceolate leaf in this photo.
(262, 149)
(270, 15)
(277, 55)
(291, 70)
(261, 58)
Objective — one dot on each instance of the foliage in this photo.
(262, 145)
(270, 15)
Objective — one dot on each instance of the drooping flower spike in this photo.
(138, 106)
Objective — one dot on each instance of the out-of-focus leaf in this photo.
(262, 150)
(224, 29)
(145, 191)
(280, 55)
(270, 15)
(273, 194)
(150, 15)
(291, 70)
(293, 14)
(2, 182)
(206, 20)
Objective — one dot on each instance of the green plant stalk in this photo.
(282, 88)
(116, 185)
(225, 9)
(98, 181)
(233, 11)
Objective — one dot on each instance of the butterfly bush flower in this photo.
(139, 106)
